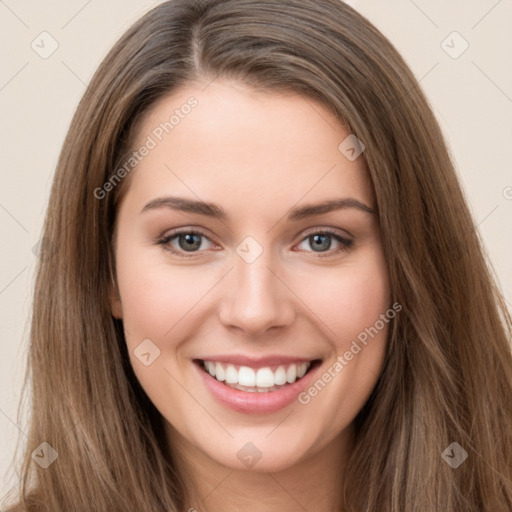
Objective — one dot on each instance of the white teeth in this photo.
(261, 380)
(231, 374)
(265, 378)
(291, 373)
(219, 372)
(280, 376)
(301, 370)
(246, 376)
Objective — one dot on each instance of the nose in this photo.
(255, 298)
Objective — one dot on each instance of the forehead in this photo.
(230, 142)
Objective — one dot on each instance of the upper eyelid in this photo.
(328, 230)
(180, 231)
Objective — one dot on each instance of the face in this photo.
(225, 260)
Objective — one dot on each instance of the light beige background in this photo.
(471, 96)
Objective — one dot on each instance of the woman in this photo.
(265, 290)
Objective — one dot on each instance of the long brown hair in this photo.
(448, 371)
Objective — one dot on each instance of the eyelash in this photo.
(164, 241)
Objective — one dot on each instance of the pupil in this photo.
(317, 241)
(191, 241)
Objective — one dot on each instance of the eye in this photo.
(322, 241)
(184, 241)
(193, 241)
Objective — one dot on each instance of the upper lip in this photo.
(259, 362)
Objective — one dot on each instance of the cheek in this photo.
(352, 302)
(159, 304)
(156, 296)
(347, 299)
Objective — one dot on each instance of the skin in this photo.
(257, 155)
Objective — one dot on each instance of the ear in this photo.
(116, 306)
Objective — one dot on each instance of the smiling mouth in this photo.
(261, 380)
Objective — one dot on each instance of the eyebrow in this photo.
(212, 210)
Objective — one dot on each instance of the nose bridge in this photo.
(254, 298)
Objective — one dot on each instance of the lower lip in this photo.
(255, 402)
